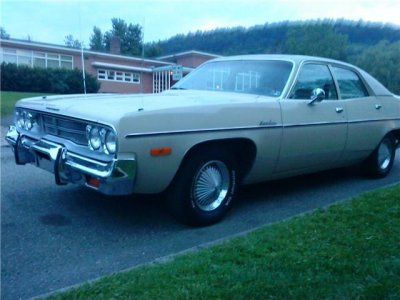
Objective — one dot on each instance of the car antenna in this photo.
(82, 57)
(141, 72)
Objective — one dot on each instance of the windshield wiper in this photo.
(177, 88)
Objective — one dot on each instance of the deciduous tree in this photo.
(316, 40)
(130, 35)
(97, 40)
(383, 62)
(71, 42)
(4, 34)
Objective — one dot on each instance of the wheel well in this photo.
(396, 134)
(244, 150)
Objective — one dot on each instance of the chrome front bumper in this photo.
(115, 177)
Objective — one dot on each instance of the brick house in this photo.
(117, 73)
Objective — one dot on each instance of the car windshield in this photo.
(267, 77)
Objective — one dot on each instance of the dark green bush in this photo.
(56, 81)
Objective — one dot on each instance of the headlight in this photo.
(111, 142)
(29, 120)
(19, 118)
(94, 138)
(101, 139)
(25, 119)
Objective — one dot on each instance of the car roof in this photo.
(297, 59)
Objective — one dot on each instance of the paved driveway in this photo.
(57, 236)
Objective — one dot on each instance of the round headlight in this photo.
(94, 138)
(20, 118)
(111, 142)
(28, 121)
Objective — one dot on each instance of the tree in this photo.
(130, 35)
(383, 62)
(316, 40)
(97, 40)
(71, 42)
(133, 40)
(153, 49)
(3, 34)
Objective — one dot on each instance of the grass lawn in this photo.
(8, 100)
(348, 251)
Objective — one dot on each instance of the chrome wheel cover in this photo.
(384, 154)
(211, 185)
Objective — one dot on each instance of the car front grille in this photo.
(69, 129)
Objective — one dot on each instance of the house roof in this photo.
(31, 44)
(191, 52)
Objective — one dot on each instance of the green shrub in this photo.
(56, 81)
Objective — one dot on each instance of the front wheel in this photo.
(204, 188)
(380, 162)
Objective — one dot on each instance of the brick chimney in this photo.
(115, 45)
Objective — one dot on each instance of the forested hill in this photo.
(374, 47)
(271, 38)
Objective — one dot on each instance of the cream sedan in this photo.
(234, 120)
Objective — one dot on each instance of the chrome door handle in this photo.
(339, 110)
(378, 106)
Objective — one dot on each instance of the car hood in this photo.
(109, 108)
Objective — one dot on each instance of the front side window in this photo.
(263, 77)
(314, 76)
(350, 84)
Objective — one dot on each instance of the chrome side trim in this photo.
(156, 133)
(377, 120)
(338, 123)
(260, 127)
(315, 124)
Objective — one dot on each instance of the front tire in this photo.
(204, 188)
(380, 162)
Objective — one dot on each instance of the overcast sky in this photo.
(51, 20)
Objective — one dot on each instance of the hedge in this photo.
(57, 81)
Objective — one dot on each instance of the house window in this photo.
(66, 61)
(101, 74)
(39, 59)
(9, 56)
(118, 76)
(36, 59)
(53, 61)
(24, 58)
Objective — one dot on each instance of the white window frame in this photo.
(118, 76)
(33, 54)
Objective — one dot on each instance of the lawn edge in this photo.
(168, 258)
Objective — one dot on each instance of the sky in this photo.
(51, 21)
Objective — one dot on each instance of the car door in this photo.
(314, 135)
(365, 113)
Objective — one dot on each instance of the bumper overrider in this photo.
(114, 177)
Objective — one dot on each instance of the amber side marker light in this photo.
(161, 151)
(94, 182)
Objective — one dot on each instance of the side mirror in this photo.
(317, 95)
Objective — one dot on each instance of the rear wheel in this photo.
(380, 162)
(204, 188)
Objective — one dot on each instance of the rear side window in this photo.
(314, 76)
(350, 84)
